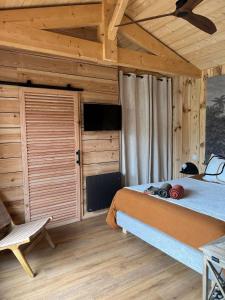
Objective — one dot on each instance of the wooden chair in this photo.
(13, 236)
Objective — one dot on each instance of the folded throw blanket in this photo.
(164, 190)
(152, 190)
(177, 192)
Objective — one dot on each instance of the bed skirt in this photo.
(191, 257)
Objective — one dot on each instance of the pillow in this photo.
(221, 176)
(215, 169)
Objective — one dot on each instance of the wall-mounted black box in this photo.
(101, 190)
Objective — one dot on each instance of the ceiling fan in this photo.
(184, 10)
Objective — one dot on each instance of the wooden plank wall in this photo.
(186, 114)
(11, 179)
(100, 149)
(189, 119)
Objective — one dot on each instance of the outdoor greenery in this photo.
(215, 127)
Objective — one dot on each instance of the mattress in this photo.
(207, 198)
(192, 220)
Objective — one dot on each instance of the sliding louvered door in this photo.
(50, 141)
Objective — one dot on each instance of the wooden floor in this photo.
(92, 261)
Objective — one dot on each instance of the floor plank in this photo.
(91, 261)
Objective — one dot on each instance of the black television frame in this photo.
(104, 124)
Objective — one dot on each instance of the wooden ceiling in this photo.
(36, 3)
(199, 48)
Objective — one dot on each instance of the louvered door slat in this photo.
(50, 138)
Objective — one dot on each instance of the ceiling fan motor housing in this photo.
(180, 3)
(181, 14)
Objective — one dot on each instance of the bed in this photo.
(177, 227)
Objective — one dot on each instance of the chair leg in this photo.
(124, 231)
(23, 261)
(49, 240)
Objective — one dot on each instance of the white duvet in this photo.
(203, 197)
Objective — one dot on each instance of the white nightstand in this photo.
(214, 263)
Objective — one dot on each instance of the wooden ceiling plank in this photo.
(6, 4)
(70, 16)
(146, 40)
(186, 46)
(160, 25)
(208, 53)
(177, 29)
(179, 34)
(117, 18)
(150, 8)
(20, 37)
(110, 52)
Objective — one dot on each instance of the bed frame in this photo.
(191, 257)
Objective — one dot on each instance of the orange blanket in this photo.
(185, 225)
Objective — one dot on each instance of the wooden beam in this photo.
(109, 46)
(32, 39)
(70, 16)
(116, 18)
(41, 41)
(146, 40)
(149, 62)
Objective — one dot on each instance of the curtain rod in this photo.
(29, 83)
(128, 75)
(141, 76)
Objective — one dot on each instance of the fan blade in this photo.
(188, 5)
(145, 19)
(200, 22)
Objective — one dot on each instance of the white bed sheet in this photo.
(203, 197)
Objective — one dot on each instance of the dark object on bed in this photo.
(101, 190)
(164, 190)
(177, 192)
(189, 169)
(152, 190)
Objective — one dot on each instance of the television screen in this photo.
(102, 117)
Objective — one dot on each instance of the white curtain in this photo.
(146, 151)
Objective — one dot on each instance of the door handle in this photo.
(78, 157)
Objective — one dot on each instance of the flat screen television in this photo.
(102, 117)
